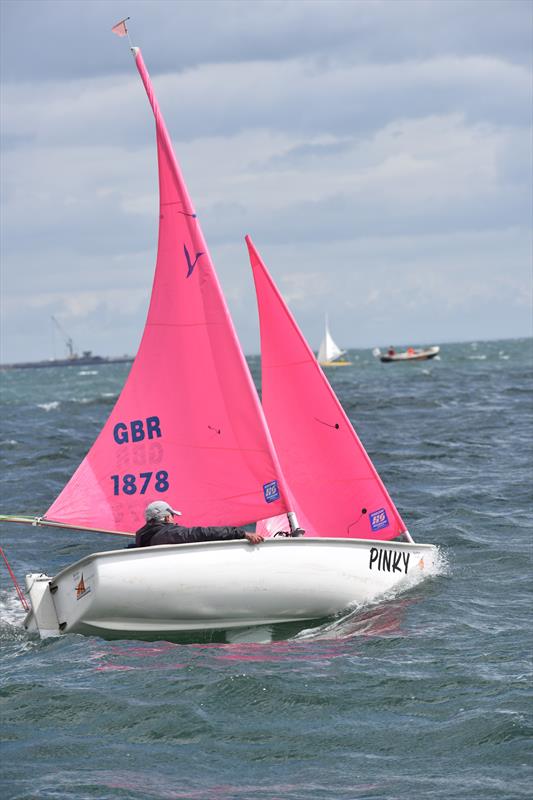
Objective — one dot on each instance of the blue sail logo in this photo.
(271, 491)
(379, 519)
(191, 264)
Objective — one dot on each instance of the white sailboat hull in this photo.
(340, 363)
(213, 586)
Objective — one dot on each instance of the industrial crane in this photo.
(68, 339)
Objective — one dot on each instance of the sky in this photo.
(378, 152)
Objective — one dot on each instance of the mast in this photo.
(192, 223)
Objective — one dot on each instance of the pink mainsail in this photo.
(188, 426)
(336, 489)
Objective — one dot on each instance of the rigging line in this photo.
(46, 523)
(13, 578)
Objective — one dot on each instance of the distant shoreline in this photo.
(81, 361)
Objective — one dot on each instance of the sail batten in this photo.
(188, 426)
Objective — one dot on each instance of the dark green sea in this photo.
(425, 695)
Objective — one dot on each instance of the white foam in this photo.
(11, 611)
(260, 634)
(380, 614)
(49, 406)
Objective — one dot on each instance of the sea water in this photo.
(426, 694)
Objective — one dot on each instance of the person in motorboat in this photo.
(391, 351)
(160, 529)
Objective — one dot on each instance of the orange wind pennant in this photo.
(120, 28)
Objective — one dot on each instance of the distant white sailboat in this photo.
(329, 353)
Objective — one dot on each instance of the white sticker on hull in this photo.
(81, 585)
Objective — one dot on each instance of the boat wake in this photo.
(382, 616)
(11, 613)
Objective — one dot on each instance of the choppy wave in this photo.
(12, 612)
(422, 693)
(53, 405)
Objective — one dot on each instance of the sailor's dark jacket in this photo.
(155, 532)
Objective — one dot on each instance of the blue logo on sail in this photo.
(271, 491)
(191, 264)
(379, 519)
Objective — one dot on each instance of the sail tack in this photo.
(336, 489)
(188, 426)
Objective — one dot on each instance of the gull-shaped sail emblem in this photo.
(191, 264)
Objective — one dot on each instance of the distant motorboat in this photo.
(329, 353)
(411, 354)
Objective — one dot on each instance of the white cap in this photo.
(159, 509)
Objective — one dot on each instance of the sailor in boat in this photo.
(391, 351)
(160, 529)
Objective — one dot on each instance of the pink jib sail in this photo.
(188, 427)
(336, 489)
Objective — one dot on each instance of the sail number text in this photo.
(137, 430)
(131, 484)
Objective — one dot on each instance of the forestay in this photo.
(336, 489)
(188, 426)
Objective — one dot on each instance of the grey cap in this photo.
(159, 509)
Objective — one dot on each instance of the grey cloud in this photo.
(418, 288)
(340, 217)
(181, 34)
(293, 96)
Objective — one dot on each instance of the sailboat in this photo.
(201, 440)
(329, 352)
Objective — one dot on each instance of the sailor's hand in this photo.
(255, 538)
